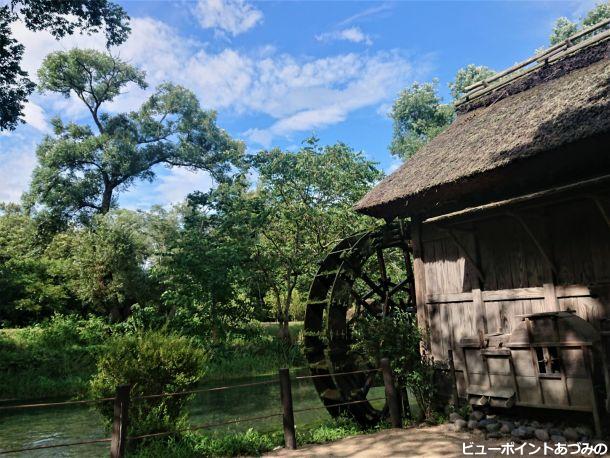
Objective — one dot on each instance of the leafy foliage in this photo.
(305, 205)
(562, 30)
(397, 337)
(152, 363)
(565, 28)
(102, 266)
(206, 267)
(80, 172)
(419, 115)
(31, 286)
(248, 443)
(467, 76)
(53, 358)
(60, 19)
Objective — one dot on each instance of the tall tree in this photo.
(207, 263)
(82, 169)
(467, 76)
(60, 18)
(565, 28)
(103, 265)
(419, 115)
(306, 201)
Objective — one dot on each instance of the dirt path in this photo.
(429, 442)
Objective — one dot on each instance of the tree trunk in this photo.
(282, 318)
(284, 331)
(106, 199)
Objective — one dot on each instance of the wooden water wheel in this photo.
(366, 273)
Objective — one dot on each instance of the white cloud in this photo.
(297, 93)
(366, 81)
(353, 34)
(17, 165)
(367, 13)
(34, 115)
(232, 16)
(178, 183)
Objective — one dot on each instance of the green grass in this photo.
(256, 353)
(58, 358)
(249, 443)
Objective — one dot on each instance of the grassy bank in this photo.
(58, 358)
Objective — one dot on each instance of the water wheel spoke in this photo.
(383, 273)
(368, 384)
(401, 285)
(361, 301)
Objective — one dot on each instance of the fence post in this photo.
(391, 394)
(290, 438)
(121, 419)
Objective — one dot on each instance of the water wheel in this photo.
(366, 273)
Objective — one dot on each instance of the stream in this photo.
(47, 426)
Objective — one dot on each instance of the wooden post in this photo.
(290, 438)
(588, 360)
(120, 422)
(456, 396)
(391, 394)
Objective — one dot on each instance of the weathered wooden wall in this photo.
(477, 275)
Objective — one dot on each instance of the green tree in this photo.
(207, 263)
(564, 28)
(81, 171)
(103, 266)
(306, 201)
(60, 18)
(419, 115)
(30, 289)
(467, 76)
(599, 13)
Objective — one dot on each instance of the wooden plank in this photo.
(479, 310)
(513, 294)
(562, 291)
(435, 298)
(420, 282)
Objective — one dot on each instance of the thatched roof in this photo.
(560, 104)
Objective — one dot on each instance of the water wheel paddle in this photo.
(366, 273)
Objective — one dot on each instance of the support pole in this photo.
(120, 422)
(290, 438)
(391, 394)
(456, 396)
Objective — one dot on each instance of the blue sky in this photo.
(276, 72)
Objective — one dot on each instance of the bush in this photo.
(152, 363)
(397, 337)
(54, 358)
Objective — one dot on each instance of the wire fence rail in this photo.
(122, 400)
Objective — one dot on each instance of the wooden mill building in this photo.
(510, 210)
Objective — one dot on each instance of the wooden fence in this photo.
(122, 399)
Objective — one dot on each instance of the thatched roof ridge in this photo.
(564, 103)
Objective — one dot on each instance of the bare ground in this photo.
(429, 442)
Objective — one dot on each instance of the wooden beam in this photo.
(520, 199)
(516, 294)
